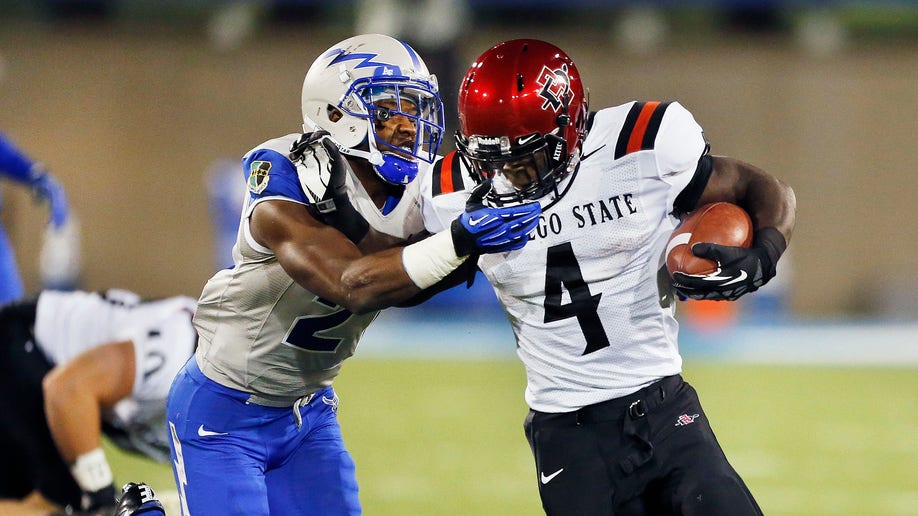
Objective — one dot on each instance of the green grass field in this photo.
(445, 438)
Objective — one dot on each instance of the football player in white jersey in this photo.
(613, 427)
(74, 366)
(329, 235)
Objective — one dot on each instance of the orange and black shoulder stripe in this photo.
(447, 175)
(641, 127)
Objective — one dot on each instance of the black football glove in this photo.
(335, 208)
(739, 270)
(137, 499)
(482, 229)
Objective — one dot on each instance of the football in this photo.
(717, 223)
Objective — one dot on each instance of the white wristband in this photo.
(91, 471)
(431, 259)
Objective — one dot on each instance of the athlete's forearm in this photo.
(76, 393)
(377, 281)
(375, 241)
(73, 414)
(769, 201)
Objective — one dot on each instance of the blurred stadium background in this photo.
(140, 107)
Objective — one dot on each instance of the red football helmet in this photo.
(522, 102)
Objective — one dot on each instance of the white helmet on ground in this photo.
(342, 86)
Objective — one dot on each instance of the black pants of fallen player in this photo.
(649, 453)
(30, 457)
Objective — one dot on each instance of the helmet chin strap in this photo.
(390, 167)
(374, 156)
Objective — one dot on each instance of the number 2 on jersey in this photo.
(563, 272)
(306, 332)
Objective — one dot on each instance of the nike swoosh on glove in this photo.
(739, 270)
(335, 207)
(484, 229)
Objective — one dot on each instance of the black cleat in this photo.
(139, 498)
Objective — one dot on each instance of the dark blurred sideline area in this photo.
(139, 106)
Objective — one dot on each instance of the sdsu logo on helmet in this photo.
(555, 87)
(528, 93)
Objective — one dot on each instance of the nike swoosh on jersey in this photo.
(207, 433)
(548, 478)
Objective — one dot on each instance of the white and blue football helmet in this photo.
(339, 95)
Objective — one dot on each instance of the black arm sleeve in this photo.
(688, 198)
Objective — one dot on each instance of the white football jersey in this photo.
(260, 331)
(69, 323)
(588, 298)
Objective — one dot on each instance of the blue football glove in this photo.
(739, 270)
(482, 229)
(46, 188)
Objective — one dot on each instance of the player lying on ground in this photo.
(75, 366)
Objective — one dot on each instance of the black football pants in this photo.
(30, 459)
(649, 453)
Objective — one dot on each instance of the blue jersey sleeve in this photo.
(13, 163)
(270, 174)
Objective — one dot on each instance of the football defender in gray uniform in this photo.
(331, 232)
(613, 426)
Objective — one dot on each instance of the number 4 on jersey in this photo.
(563, 272)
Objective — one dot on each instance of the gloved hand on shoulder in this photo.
(335, 207)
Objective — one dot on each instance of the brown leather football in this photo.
(718, 223)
